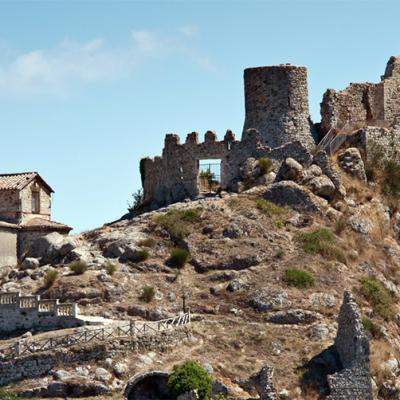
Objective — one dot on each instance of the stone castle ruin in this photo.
(277, 126)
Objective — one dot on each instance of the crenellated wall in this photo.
(174, 176)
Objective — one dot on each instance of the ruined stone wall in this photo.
(353, 382)
(26, 312)
(8, 247)
(174, 176)
(35, 365)
(373, 103)
(276, 102)
(377, 142)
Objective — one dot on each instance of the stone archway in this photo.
(148, 386)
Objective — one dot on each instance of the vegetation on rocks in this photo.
(142, 255)
(148, 242)
(321, 241)
(147, 294)
(110, 267)
(270, 209)
(298, 278)
(179, 223)
(190, 376)
(49, 278)
(378, 296)
(5, 395)
(178, 257)
(265, 165)
(78, 267)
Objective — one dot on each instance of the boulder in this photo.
(291, 194)
(192, 395)
(30, 263)
(290, 170)
(292, 317)
(322, 186)
(266, 299)
(351, 162)
(233, 232)
(51, 248)
(263, 382)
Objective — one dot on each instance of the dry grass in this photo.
(381, 352)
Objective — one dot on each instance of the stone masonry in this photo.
(368, 103)
(353, 382)
(175, 176)
(276, 102)
(26, 312)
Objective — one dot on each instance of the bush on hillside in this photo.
(147, 294)
(378, 297)
(298, 278)
(321, 241)
(178, 258)
(50, 277)
(110, 268)
(189, 376)
(78, 267)
(179, 223)
(141, 255)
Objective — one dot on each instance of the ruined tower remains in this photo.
(373, 104)
(276, 101)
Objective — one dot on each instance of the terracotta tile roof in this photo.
(40, 223)
(19, 180)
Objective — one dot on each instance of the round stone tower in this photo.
(276, 101)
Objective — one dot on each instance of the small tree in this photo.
(189, 376)
(137, 203)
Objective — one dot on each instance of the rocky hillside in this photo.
(263, 273)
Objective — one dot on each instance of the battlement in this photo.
(25, 312)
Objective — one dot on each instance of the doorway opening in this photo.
(209, 178)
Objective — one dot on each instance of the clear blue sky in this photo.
(87, 88)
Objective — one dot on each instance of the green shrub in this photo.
(265, 165)
(269, 208)
(141, 255)
(207, 175)
(136, 206)
(178, 257)
(372, 328)
(321, 241)
(6, 395)
(179, 223)
(298, 278)
(50, 277)
(110, 268)
(378, 297)
(78, 267)
(147, 294)
(189, 376)
(148, 242)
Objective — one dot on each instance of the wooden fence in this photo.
(116, 331)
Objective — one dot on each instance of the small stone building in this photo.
(25, 214)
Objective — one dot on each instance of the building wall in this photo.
(9, 206)
(372, 103)
(8, 247)
(26, 202)
(276, 103)
(174, 176)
